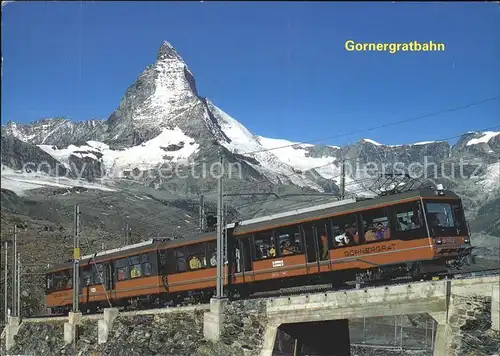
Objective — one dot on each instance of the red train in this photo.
(413, 234)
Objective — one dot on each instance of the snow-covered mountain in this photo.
(162, 120)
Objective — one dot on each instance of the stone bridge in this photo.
(317, 322)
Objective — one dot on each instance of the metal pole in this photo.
(401, 335)
(76, 259)
(224, 205)
(395, 331)
(342, 179)
(364, 328)
(18, 285)
(220, 262)
(432, 335)
(426, 333)
(6, 282)
(202, 213)
(14, 271)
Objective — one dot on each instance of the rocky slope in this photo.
(147, 164)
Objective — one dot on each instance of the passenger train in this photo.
(410, 234)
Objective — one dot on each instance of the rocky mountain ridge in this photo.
(163, 108)
(163, 122)
(115, 170)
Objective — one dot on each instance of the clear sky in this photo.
(279, 68)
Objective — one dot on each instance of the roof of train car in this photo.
(261, 223)
(340, 206)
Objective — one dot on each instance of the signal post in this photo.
(75, 316)
(213, 320)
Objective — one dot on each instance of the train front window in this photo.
(445, 219)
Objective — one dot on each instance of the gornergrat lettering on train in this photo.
(368, 250)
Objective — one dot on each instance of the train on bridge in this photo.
(412, 234)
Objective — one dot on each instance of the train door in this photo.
(107, 277)
(322, 233)
(311, 247)
(245, 260)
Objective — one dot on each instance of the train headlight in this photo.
(439, 241)
(466, 240)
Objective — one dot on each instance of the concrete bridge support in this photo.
(71, 327)
(11, 330)
(214, 319)
(104, 325)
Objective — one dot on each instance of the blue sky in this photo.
(279, 68)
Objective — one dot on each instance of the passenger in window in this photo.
(342, 240)
(415, 219)
(379, 232)
(370, 235)
(135, 272)
(272, 251)
(147, 269)
(287, 248)
(350, 233)
(213, 260)
(121, 274)
(298, 246)
(194, 263)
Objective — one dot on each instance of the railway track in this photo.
(352, 285)
(295, 291)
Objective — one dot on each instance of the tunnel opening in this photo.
(318, 338)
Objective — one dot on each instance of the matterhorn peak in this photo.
(167, 51)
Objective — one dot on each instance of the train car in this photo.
(410, 234)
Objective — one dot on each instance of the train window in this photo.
(212, 253)
(196, 256)
(146, 265)
(445, 219)
(265, 246)
(122, 270)
(135, 267)
(289, 240)
(98, 273)
(146, 268)
(171, 261)
(408, 217)
(440, 215)
(375, 225)
(344, 230)
(180, 259)
(408, 221)
(87, 277)
(163, 257)
(62, 280)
